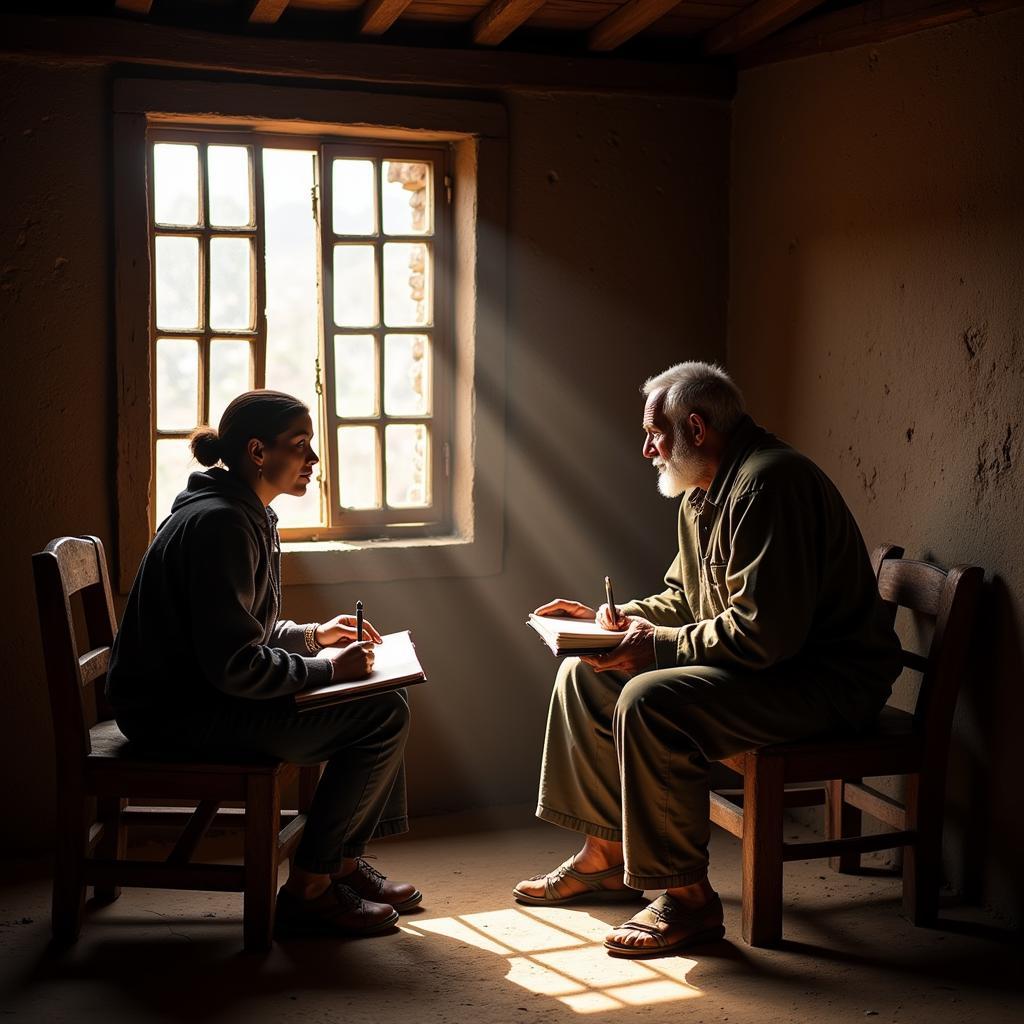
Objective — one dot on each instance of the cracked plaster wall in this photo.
(877, 322)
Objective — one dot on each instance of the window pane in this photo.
(407, 284)
(408, 465)
(358, 471)
(175, 184)
(406, 374)
(230, 373)
(227, 168)
(355, 374)
(406, 198)
(352, 197)
(177, 282)
(230, 283)
(293, 329)
(174, 462)
(177, 384)
(355, 286)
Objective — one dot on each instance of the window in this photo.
(464, 414)
(320, 267)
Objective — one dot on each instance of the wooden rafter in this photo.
(379, 15)
(134, 6)
(500, 18)
(117, 40)
(754, 23)
(632, 17)
(267, 12)
(871, 22)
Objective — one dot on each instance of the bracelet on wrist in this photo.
(312, 644)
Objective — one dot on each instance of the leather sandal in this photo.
(673, 927)
(595, 889)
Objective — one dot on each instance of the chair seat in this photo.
(891, 746)
(893, 726)
(112, 750)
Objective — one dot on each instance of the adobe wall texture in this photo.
(877, 322)
(618, 242)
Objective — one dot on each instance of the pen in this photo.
(613, 611)
(359, 621)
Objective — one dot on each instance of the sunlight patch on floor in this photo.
(556, 952)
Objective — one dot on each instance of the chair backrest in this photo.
(66, 567)
(949, 599)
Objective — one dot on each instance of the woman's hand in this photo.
(560, 606)
(347, 663)
(341, 630)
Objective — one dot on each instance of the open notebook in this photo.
(394, 665)
(568, 636)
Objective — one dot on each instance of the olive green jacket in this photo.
(772, 568)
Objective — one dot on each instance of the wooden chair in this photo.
(94, 760)
(914, 745)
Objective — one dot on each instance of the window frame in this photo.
(365, 524)
(477, 132)
(340, 523)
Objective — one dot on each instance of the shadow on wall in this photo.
(983, 832)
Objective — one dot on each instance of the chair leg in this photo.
(113, 844)
(841, 822)
(922, 861)
(68, 907)
(762, 850)
(262, 821)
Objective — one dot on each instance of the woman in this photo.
(201, 663)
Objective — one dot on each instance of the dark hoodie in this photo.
(201, 621)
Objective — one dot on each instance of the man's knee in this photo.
(669, 691)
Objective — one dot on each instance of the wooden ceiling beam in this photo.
(754, 23)
(872, 22)
(500, 18)
(379, 15)
(267, 12)
(105, 41)
(134, 6)
(632, 17)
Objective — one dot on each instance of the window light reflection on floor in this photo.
(553, 951)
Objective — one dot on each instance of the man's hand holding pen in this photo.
(635, 651)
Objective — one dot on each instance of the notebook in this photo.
(569, 637)
(394, 665)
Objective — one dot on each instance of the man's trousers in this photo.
(627, 759)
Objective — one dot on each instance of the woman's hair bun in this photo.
(206, 446)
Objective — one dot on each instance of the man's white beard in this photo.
(684, 469)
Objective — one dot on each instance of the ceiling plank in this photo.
(872, 22)
(267, 12)
(632, 17)
(105, 41)
(754, 23)
(379, 15)
(135, 6)
(500, 18)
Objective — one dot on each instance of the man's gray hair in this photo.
(703, 388)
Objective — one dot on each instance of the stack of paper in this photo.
(568, 636)
(394, 665)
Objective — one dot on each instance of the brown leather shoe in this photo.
(339, 910)
(369, 883)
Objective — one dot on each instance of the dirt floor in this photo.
(470, 954)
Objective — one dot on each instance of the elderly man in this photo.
(770, 629)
